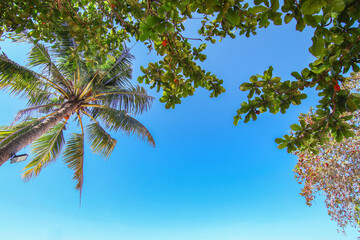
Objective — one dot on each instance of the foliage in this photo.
(100, 92)
(333, 170)
(102, 26)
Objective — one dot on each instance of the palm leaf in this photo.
(28, 111)
(119, 73)
(11, 132)
(45, 150)
(114, 72)
(74, 158)
(120, 120)
(18, 78)
(21, 80)
(7, 133)
(100, 141)
(132, 99)
(39, 98)
(40, 57)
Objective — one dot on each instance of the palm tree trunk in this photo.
(28, 137)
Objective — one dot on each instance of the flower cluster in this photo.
(334, 171)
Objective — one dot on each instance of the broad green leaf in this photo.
(310, 7)
(338, 5)
(144, 35)
(288, 18)
(318, 48)
(245, 86)
(295, 127)
(257, 9)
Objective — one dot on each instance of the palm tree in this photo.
(70, 87)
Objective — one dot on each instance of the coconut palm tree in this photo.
(70, 87)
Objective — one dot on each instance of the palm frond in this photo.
(53, 104)
(114, 72)
(116, 120)
(119, 73)
(39, 98)
(68, 66)
(45, 150)
(132, 99)
(18, 78)
(28, 111)
(74, 158)
(23, 127)
(100, 141)
(40, 57)
(22, 80)
(9, 132)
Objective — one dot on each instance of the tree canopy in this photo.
(333, 169)
(103, 26)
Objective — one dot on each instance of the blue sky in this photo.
(206, 179)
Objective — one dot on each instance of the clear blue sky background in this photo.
(206, 179)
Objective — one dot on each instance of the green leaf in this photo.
(277, 20)
(338, 39)
(355, 67)
(311, 20)
(276, 79)
(305, 72)
(281, 146)
(45, 150)
(74, 158)
(356, 95)
(318, 48)
(233, 17)
(296, 75)
(351, 106)
(300, 25)
(338, 5)
(310, 7)
(295, 127)
(348, 134)
(152, 20)
(257, 9)
(253, 79)
(100, 141)
(288, 18)
(236, 120)
(7, 133)
(318, 69)
(274, 5)
(339, 136)
(144, 35)
(245, 86)
(116, 120)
